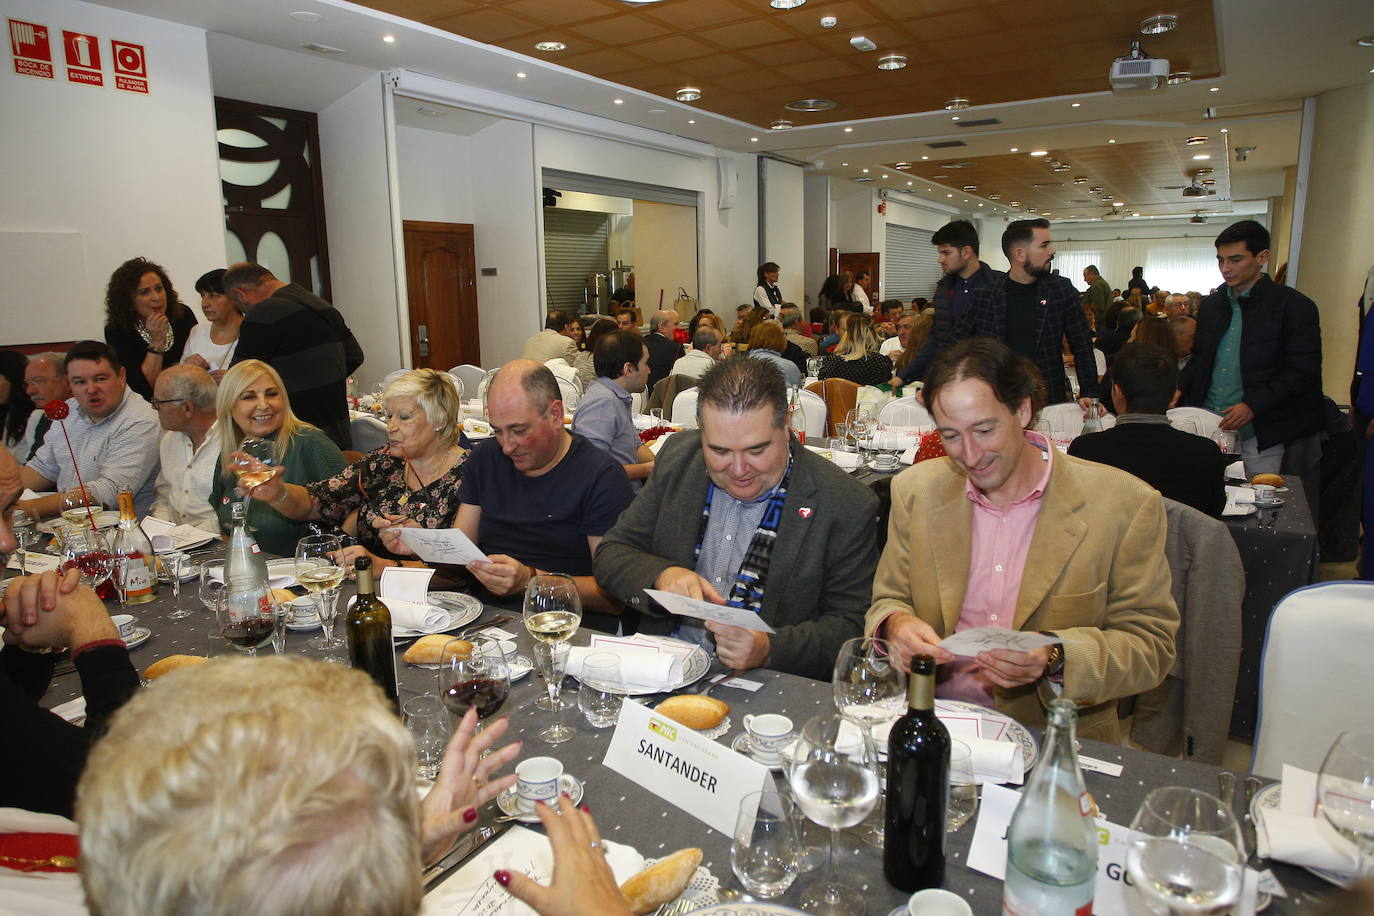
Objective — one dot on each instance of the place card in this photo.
(1093, 765)
(742, 684)
(405, 583)
(442, 545)
(184, 537)
(703, 778)
(35, 562)
(705, 610)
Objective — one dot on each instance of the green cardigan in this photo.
(312, 456)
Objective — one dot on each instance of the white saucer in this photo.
(312, 623)
(509, 802)
(141, 635)
(1268, 504)
(741, 745)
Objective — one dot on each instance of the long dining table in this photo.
(629, 814)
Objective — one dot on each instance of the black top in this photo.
(952, 295)
(44, 754)
(1181, 466)
(662, 354)
(1021, 303)
(131, 350)
(1140, 285)
(771, 291)
(869, 369)
(308, 342)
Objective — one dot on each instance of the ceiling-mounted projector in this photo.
(1138, 71)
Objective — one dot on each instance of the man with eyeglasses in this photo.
(184, 398)
(44, 381)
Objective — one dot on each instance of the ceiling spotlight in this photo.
(924, 158)
(829, 22)
(949, 195)
(550, 46)
(1094, 190)
(980, 205)
(810, 105)
(892, 62)
(1039, 152)
(1204, 171)
(1179, 77)
(994, 197)
(970, 188)
(954, 118)
(1113, 140)
(1226, 130)
(1076, 105)
(1158, 25)
(1366, 41)
(844, 163)
(1060, 168)
(1014, 149)
(1215, 89)
(1195, 141)
(861, 178)
(910, 183)
(389, 39)
(865, 171)
(901, 165)
(519, 76)
(1201, 156)
(938, 177)
(753, 139)
(956, 104)
(884, 174)
(1208, 182)
(786, 4)
(1080, 180)
(860, 43)
(618, 101)
(1015, 203)
(781, 124)
(688, 94)
(691, 121)
(306, 16)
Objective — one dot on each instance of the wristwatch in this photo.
(1055, 665)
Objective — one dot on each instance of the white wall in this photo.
(133, 174)
(357, 203)
(433, 184)
(816, 233)
(783, 220)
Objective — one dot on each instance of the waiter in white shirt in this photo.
(766, 294)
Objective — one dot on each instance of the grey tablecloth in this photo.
(629, 814)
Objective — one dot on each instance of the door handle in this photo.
(424, 340)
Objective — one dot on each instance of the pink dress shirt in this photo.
(1001, 540)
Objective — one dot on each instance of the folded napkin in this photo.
(993, 761)
(847, 460)
(421, 618)
(1236, 471)
(72, 709)
(641, 669)
(909, 456)
(1239, 495)
(658, 443)
(1297, 833)
(892, 439)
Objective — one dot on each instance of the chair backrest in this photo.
(637, 403)
(391, 377)
(458, 385)
(1195, 420)
(1064, 420)
(1314, 681)
(906, 412)
(840, 396)
(571, 390)
(813, 415)
(685, 409)
(470, 374)
(369, 433)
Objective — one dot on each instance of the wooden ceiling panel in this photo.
(990, 51)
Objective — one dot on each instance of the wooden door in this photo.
(441, 284)
(853, 260)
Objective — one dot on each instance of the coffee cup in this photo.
(125, 623)
(885, 462)
(537, 779)
(934, 901)
(1264, 493)
(304, 610)
(769, 733)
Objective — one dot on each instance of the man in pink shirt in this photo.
(1006, 532)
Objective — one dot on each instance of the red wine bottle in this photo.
(917, 787)
(368, 625)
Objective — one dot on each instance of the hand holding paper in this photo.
(705, 610)
(441, 545)
(982, 639)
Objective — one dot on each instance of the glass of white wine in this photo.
(79, 508)
(553, 612)
(319, 572)
(253, 461)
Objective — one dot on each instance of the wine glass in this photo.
(246, 615)
(212, 585)
(24, 529)
(119, 575)
(86, 550)
(79, 508)
(601, 689)
(553, 612)
(862, 425)
(813, 367)
(1186, 853)
(1345, 791)
(319, 573)
(870, 691)
(252, 463)
(474, 675)
(963, 787)
(173, 564)
(834, 779)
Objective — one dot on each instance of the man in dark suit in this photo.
(1183, 467)
(1032, 311)
(663, 349)
(738, 513)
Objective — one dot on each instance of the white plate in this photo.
(694, 668)
(281, 573)
(520, 666)
(461, 609)
(741, 745)
(1014, 731)
(754, 908)
(1268, 799)
(141, 635)
(507, 801)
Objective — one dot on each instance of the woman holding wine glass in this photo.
(413, 478)
(252, 404)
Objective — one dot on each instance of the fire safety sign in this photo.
(130, 66)
(30, 49)
(83, 58)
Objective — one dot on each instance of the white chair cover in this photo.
(471, 376)
(457, 384)
(685, 409)
(1314, 681)
(813, 415)
(1205, 421)
(637, 403)
(391, 377)
(369, 434)
(905, 412)
(1064, 420)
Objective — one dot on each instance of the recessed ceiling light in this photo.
(924, 158)
(980, 205)
(930, 189)
(810, 105)
(844, 163)
(1366, 41)
(970, 188)
(1196, 141)
(658, 111)
(618, 101)
(389, 39)
(786, 4)
(849, 130)
(892, 62)
(430, 112)
(1076, 105)
(550, 46)
(994, 197)
(780, 124)
(884, 174)
(321, 49)
(753, 139)
(1039, 152)
(688, 94)
(954, 118)
(1215, 89)
(862, 178)
(1113, 140)
(829, 22)
(949, 195)
(691, 121)
(1201, 156)
(941, 176)
(1094, 190)
(1015, 203)
(1014, 149)
(1080, 180)
(1179, 77)
(1060, 168)
(965, 200)
(305, 16)
(956, 104)
(1227, 130)
(860, 43)
(520, 76)
(910, 183)
(901, 165)
(1158, 25)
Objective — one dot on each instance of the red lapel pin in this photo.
(804, 511)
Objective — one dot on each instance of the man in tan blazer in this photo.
(1007, 532)
(556, 341)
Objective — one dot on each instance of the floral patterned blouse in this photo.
(375, 485)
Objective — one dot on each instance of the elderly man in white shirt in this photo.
(703, 355)
(184, 398)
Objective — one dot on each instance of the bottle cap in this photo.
(362, 563)
(922, 664)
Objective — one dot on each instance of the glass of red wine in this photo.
(246, 616)
(85, 549)
(474, 674)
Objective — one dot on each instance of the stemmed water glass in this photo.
(25, 533)
(870, 691)
(834, 779)
(211, 586)
(1186, 853)
(319, 573)
(553, 612)
(1345, 792)
(862, 425)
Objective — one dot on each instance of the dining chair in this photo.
(470, 375)
(391, 377)
(685, 409)
(1314, 680)
(840, 396)
(369, 433)
(1203, 421)
(905, 411)
(813, 416)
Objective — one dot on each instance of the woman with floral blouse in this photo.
(414, 476)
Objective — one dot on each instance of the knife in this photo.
(465, 847)
(1251, 784)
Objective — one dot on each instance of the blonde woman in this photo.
(856, 356)
(251, 401)
(414, 477)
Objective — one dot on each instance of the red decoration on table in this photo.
(932, 446)
(649, 435)
(38, 851)
(58, 411)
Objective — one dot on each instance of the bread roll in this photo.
(661, 882)
(1273, 480)
(694, 710)
(429, 650)
(283, 595)
(171, 663)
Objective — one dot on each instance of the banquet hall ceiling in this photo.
(749, 60)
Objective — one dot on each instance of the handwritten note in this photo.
(442, 545)
(183, 537)
(981, 639)
(705, 610)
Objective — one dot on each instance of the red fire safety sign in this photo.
(130, 66)
(30, 49)
(83, 58)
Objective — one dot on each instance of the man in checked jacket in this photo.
(1032, 311)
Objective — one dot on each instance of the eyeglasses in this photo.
(156, 403)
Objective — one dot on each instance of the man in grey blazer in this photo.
(739, 513)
